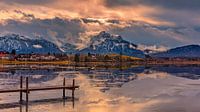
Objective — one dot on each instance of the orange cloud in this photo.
(81, 9)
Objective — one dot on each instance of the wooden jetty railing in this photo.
(28, 89)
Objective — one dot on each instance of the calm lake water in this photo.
(136, 89)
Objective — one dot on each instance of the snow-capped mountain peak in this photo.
(26, 45)
(106, 43)
(104, 36)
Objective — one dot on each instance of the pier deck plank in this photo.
(39, 89)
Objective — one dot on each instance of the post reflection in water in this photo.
(25, 107)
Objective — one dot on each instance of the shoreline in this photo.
(56, 65)
(101, 63)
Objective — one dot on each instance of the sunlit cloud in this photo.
(152, 48)
(83, 9)
(136, 20)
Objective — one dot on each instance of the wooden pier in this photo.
(28, 89)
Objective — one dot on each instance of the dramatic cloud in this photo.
(152, 48)
(175, 4)
(151, 22)
(79, 9)
(153, 35)
(31, 2)
(56, 30)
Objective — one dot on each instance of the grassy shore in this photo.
(173, 62)
(102, 64)
(15, 62)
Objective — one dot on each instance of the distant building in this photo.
(36, 57)
(6, 55)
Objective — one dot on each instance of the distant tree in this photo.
(106, 58)
(77, 58)
(121, 57)
(66, 57)
(86, 59)
(13, 52)
(89, 55)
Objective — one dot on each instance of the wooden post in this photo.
(21, 86)
(64, 88)
(73, 85)
(20, 108)
(27, 91)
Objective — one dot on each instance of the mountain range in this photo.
(102, 43)
(25, 45)
(189, 51)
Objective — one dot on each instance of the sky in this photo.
(153, 23)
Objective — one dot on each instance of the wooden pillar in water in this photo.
(27, 91)
(73, 85)
(64, 88)
(21, 87)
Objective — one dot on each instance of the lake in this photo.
(135, 89)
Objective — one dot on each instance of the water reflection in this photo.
(25, 106)
(191, 72)
(102, 90)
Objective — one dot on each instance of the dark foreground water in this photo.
(136, 89)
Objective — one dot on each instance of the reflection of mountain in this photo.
(99, 78)
(191, 72)
(43, 75)
(104, 79)
(35, 76)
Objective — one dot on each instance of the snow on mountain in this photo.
(69, 48)
(191, 51)
(105, 43)
(37, 46)
(26, 45)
